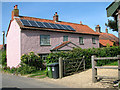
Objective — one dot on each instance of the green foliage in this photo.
(115, 63)
(78, 52)
(112, 25)
(38, 74)
(4, 58)
(31, 60)
(29, 63)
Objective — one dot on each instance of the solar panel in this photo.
(25, 22)
(47, 25)
(33, 23)
(59, 26)
(53, 26)
(40, 24)
(66, 28)
(70, 27)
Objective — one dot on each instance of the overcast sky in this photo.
(90, 13)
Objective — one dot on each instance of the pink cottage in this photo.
(43, 36)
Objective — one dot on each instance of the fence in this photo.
(70, 66)
(94, 60)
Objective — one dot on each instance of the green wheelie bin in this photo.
(49, 70)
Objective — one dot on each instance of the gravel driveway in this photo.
(84, 79)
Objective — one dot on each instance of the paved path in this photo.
(13, 81)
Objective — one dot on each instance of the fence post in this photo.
(84, 62)
(94, 70)
(118, 67)
(60, 67)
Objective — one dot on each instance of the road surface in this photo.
(12, 81)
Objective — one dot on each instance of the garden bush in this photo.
(4, 63)
(78, 52)
(32, 60)
(29, 63)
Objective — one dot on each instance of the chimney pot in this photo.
(55, 17)
(106, 30)
(15, 7)
(98, 29)
(55, 13)
(80, 22)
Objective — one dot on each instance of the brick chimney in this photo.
(106, 30)
(55, 17)
(15, 12)
(98, 29)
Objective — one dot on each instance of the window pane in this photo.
(81, 40)
(44, 39)
(65, 38)
(93, 40)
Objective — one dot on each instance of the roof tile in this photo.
(80, 28)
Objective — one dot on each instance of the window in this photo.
(44, 39)
(93, 40)
(65, 38)
(81, 40)
(43, 56)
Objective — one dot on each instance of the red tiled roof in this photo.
(61, 45)
(1, 46)
(106, 42)
(106, 38)
(80, 28)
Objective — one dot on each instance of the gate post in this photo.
(118, 67)
(94, 70)
(84, 62)
(60, 67)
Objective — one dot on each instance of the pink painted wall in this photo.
(30, 41)
(13, 45)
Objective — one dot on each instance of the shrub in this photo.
(29, 63)
(26, 69)
(31, 60)
(4, 63)
(78, 52)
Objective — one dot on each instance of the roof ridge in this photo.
(52, 20)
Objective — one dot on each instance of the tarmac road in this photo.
(12, 81)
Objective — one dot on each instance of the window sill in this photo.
(45, 45)
(82, 44)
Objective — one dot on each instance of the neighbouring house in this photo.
(43, 36)
(113, 10)
(106, 39)
(1, 47)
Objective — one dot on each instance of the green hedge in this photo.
(78, 52)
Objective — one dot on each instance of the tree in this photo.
(112, 25)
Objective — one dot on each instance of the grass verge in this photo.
(38, 74)
(113, 63)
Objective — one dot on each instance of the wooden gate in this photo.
(71, 66)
